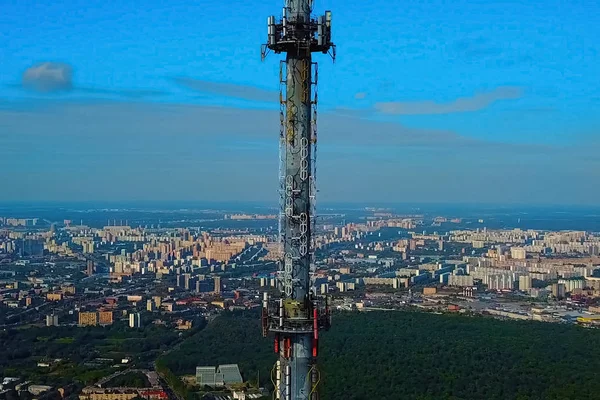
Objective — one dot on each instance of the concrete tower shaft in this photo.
(298, 173)
(296, 314)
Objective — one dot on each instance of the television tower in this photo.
(296, 314)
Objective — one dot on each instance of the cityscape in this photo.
(299, 200)
(171, 272)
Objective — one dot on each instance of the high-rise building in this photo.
(31, 247)
(90, 268)
(559, 290)
(499, 281)
(518, 253)
(524, 283)
(460, 280)
(135, 321)
(217, 284)
(88, 247)
(572, 284)
(149, 305)
(88, 318)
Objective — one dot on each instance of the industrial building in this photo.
(216, 377)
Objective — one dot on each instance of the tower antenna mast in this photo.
(296, 314)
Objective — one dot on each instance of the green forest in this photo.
(421, 356)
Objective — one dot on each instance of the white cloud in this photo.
(48, 77)
(476, 102)
(245, 92)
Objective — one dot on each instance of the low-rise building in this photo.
(88, 318)
(54, 296)
(105, 317)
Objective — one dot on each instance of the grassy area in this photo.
(65, 340)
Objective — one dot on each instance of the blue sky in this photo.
(432, 101)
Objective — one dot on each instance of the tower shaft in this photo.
(298, 174)
(296, 314)
(297, 220)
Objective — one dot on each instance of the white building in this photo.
(460, 280)
(518, 253)
(134, 320)
(572, 284)
(524, 283)
(52, 320)
(499, 282)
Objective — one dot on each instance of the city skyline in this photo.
(434, 103)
